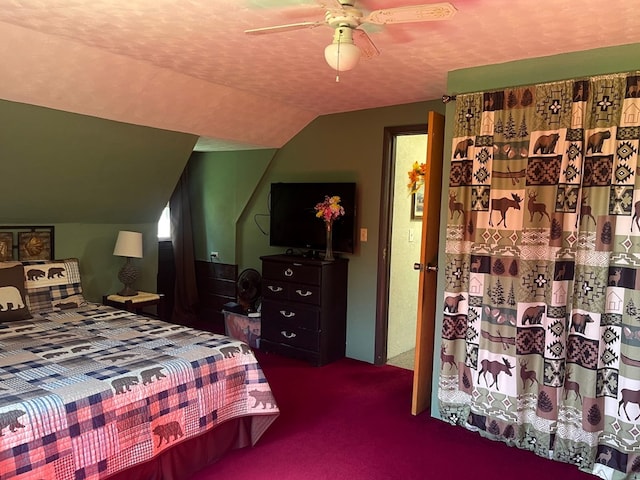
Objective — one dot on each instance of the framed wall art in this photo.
(6, 246)
(417, 205)
(35, 245)
(26, 242)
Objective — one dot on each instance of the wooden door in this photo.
(425, 331)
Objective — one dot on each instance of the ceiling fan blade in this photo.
(326, 4)
(408, 14)
(283, 28)
(366, 45)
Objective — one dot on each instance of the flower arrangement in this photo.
(330, 209)
(416, 177)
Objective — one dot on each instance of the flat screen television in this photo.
(293, 221)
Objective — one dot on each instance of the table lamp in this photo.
(129, 245)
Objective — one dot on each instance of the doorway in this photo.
(405, 251)
(400, 235)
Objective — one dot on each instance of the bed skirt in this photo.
(185, 459)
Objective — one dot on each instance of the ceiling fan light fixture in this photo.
(342, 54)
(345, 18)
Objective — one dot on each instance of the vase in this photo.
(328, 253)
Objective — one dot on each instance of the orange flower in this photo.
(416, 177)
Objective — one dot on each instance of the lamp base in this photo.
(128, 275)
(127, 291)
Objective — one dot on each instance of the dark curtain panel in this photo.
(186, 291)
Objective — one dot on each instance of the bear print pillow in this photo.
(53, 285)
(13, 297)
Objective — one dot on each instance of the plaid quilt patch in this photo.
(89, 392)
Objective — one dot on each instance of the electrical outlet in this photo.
(215, 255)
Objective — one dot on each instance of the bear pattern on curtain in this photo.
(541, 331)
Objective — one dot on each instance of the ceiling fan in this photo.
(347, 20)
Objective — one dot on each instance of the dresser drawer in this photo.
(312, 356)
(291, 272)
(275, 290)
(305, 293)
(295, 316)
(283, 291)
(282, 332)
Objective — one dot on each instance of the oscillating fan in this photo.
(249, 289)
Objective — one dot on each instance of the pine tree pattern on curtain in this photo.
(541, 331)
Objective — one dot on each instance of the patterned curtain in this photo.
(541, 332)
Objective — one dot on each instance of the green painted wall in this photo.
(221, 184)
(93, 245)
(90, 178)
(61, 167)
(523, 72)
(338, 147)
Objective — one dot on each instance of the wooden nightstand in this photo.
(138, 303)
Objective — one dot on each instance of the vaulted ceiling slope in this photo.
(61, 167)
(188, 66)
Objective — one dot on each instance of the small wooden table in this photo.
(137, 303)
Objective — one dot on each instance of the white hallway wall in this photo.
(405, 250)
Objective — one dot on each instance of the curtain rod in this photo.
(448, 98)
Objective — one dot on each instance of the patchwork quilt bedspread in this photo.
(92, 391)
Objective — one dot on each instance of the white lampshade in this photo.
(342, 54)
(128, 244)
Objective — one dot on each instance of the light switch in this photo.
(363, 234)
(411, 235)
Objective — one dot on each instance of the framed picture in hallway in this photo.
(417, 205)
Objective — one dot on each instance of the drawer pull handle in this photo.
(306, 293)
(275, 289)
(288, 272)
(287, 335)
(286, 314)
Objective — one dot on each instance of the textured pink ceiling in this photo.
(187, 65)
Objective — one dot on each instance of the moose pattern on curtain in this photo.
(541, 332)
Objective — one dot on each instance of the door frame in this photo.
(384, 234)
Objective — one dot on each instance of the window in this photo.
(164, 224)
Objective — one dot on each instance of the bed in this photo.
(88, 391)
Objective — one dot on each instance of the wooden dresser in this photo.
(304, 307)
(216, 287)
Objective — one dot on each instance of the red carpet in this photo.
(351, 420)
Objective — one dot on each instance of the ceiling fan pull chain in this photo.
(338, 59)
